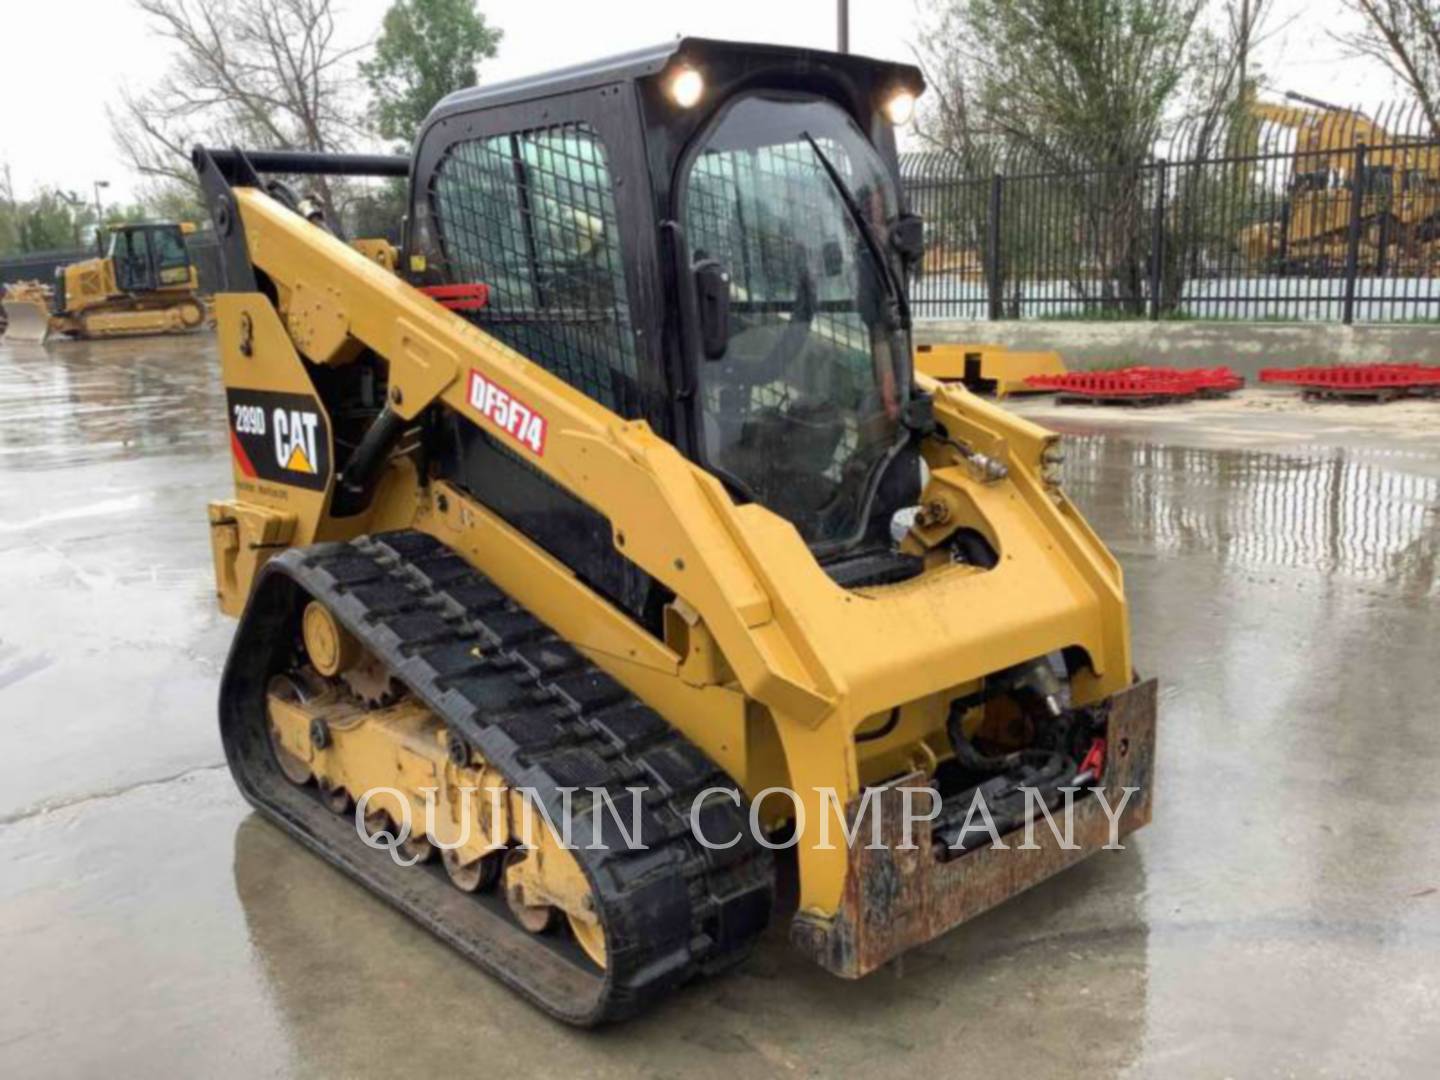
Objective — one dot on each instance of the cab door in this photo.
(134, 266)
(528, 199)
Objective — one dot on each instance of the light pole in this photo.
(100, 217)
(842, 26)
(74, 202)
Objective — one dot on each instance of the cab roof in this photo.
(642, 63)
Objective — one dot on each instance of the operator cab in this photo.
(149, 257)
(707, 236)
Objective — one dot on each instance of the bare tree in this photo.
(263, 73)
(949, 120)
(1216, 122)
(1223, 79)
(1404, 35)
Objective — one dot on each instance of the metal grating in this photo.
(532, 216)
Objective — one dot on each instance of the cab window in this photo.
(169, 248)
(532, 215)
(803, 408)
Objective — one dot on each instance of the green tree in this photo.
(1081, 89)
(1086, 78)
(54, 220)
(9, 216)
(426, 49)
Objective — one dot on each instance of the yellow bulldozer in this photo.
(606, 561)
(146, 283)
(1399, 193)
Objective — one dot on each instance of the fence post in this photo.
(1352, 245)
(1157, 240)
(992, 247)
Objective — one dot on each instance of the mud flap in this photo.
(896, 898)
(27, 320)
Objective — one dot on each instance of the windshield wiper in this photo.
(867, 233)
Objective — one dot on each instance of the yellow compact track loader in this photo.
(607, 558)
(145, 284)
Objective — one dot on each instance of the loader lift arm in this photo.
(587, 449)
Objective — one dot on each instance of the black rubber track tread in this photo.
(547, 719)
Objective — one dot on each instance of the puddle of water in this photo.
(1331, 511)
(73, 402)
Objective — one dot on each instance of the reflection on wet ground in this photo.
(1281, 916)
(74, 402)
(1327, 511)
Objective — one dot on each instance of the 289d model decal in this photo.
(280, 437)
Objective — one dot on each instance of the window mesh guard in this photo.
(532, 215)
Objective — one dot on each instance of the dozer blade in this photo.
(27, 320)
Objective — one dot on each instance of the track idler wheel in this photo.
(190, 313)
(590, 936)
(535, 878)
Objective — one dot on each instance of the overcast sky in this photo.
(55, 130)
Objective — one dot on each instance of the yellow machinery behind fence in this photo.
(620, 508)
(985, 368)
(1398, 188)
(145, 284)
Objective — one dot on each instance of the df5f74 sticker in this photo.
(508, 413)
(279, 437)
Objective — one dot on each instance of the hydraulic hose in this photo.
(356, 485)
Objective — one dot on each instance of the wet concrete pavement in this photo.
(107, 452)
(1280, 917)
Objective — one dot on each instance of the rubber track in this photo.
(547, 719)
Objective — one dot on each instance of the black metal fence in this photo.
(41, 265)
(1297, 213)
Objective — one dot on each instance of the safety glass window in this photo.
(803, 408)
